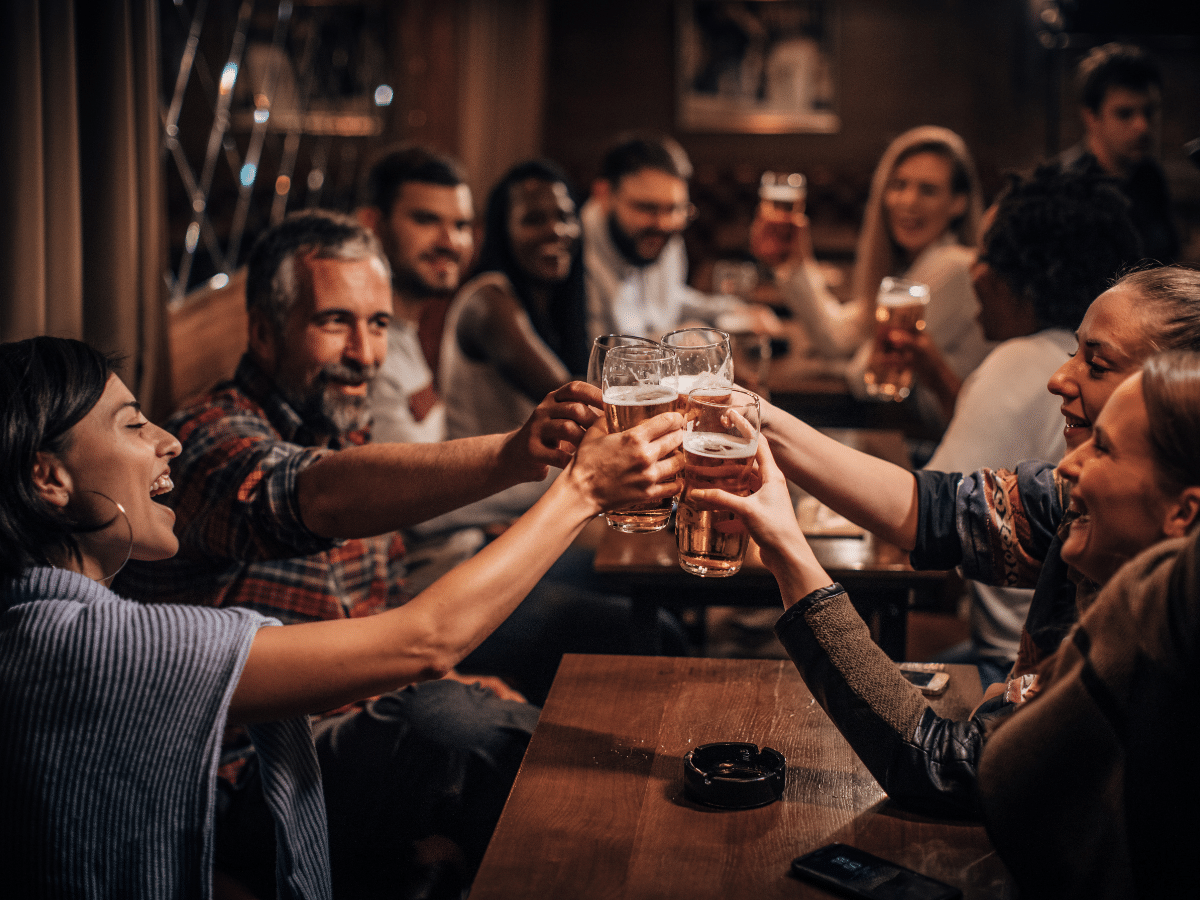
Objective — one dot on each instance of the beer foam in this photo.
(639, 394)
(912, 295)
(719, 446)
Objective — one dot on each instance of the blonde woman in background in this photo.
(922, 223)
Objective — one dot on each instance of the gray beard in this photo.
(326, 413)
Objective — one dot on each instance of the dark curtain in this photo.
(82, 182)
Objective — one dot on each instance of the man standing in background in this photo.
(1121, 94)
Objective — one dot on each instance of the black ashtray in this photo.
(734, 775)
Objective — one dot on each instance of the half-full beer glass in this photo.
(722, 430)
(900, 306)
(638, 383)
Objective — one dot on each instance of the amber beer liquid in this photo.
(710, 542)
(901, 307)
(625, 407)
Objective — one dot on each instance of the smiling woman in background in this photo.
(922, 223)
(516, 331)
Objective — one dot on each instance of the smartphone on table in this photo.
(852, 872)
(931, 678)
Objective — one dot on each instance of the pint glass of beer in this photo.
(721, 440)
(638, 384)
(899, 307)
(703, 357)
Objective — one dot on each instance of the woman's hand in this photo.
(770, 518)
(780, 238)
(633, 466)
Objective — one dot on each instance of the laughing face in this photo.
(428, 238)
(1117, 497)
(333, 342)
(543, 229)
(1113, 340)
(113, 455)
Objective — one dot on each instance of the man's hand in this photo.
(633, 466)
(553, 431)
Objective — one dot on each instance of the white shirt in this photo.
(647, 300)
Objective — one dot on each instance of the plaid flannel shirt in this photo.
(241, 538)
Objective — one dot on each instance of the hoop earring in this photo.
(129, 528)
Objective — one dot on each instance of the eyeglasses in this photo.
(650, 210)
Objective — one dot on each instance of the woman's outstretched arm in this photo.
(322, 665)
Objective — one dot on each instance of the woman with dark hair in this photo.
(1054, 244)
(517, 330)
(1084, 788)
(112, 711)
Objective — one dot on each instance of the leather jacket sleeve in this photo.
(925, 762)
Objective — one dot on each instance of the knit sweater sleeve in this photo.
(924, 761)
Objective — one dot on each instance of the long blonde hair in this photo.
(878, 256)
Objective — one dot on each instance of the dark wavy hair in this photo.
(1059, 239)
(403, 164)
(634, 151)
(1171, 390)
(563, 326)
(48, 385)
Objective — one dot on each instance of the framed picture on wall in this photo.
(758, 66)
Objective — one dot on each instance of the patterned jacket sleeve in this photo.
(996, 524)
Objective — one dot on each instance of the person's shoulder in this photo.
(225, 401)
(484, 289)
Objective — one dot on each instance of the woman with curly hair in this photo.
(1000, 527)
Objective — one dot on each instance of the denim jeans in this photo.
(434, 759)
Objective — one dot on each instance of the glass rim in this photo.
(730, 390)
(892, 285)
(635, 339)
(636, 351)
(724, 338)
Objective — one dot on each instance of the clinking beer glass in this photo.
(638, 383)
(721, 440)
(900, 307)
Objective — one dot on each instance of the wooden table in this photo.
(598, 808)
(877, 574)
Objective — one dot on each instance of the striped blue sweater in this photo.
(111, 716)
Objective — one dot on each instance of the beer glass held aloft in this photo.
(781, 201)
(900, 307)
(719, 449)
(637, 384)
